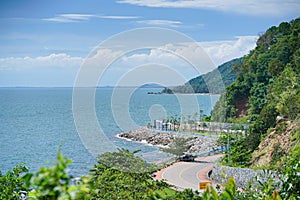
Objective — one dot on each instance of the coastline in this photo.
(163, 139)
(186, 93)
(141, 142)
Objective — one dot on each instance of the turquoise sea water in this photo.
(36, 122)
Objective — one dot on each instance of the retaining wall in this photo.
(242, 176)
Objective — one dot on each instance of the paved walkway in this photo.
(188, 174)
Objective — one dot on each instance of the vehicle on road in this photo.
(187, 158)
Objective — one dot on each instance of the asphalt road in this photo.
(185, 174)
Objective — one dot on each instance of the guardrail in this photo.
(211, 152)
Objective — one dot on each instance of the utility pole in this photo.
(228, 140)
(228, 147)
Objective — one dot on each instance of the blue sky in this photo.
(44, 43)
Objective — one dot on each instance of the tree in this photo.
(122, 175)
(211, 82)
(201, 114)
(12, 183)
(218, 114)
(55, 183)
(178, 146)
(125, 160)
(286, 93)
(268, 80)
(257, 98)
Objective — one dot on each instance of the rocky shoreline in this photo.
(162, 138)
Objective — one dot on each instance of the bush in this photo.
(54, 183)
(12, 183)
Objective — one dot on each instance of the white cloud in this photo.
(53, 60)
(252, 7)
(68, 18)
(116, 17)
(177, 57)
(223, 51)
(218, 51)
(169, 23)
(182, 58)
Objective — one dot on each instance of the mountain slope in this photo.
(267, 86)
(284, 139)
(199, 84)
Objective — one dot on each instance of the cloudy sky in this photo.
(47, 43)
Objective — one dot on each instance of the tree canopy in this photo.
(212, 82)
(267, 84)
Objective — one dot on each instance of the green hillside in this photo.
(199, 84)
(267, 88)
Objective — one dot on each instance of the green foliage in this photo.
(133, 181)
(275, 50)
(265, 120)
(257, 98)
(281, 127)
(230, 190)
(188, 194)
(206, 119)
(122, 175)
(282, 152)
(126, 161)
(12, 182)
(107, 182)
(290, 178)
(104, 182)
(167, 91)
(287, 188)
(237, 154)
(286, 93)
(218, 114)
(269, 78)
(277, 154)
(178, 147)
(265, 191)
(212, 82)
(241, 120)
(54, 182)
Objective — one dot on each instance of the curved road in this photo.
(187, 174)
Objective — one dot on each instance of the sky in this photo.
(121, 42)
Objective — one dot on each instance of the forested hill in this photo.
(267, 87)
(199, 84)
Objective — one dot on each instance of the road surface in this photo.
(188, 174)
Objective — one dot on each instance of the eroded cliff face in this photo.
(241, 106)
(280, 142)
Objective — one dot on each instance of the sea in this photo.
(35, 123)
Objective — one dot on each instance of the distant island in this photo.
(151, 85)
(199, 84)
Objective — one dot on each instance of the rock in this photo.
(162, 138)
